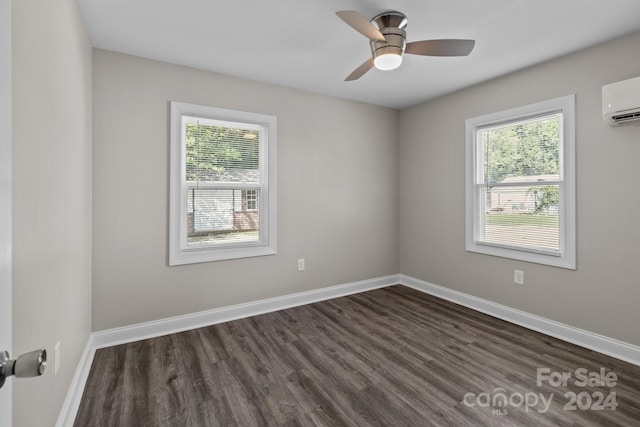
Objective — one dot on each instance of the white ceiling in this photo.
(303, 44)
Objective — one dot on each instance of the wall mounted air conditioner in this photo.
(621, 102)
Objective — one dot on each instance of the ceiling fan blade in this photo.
(361, 25)
(360, 71)
(442, 47)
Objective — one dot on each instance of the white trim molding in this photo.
(186, 322)
(592, 341)
(71, 403)
(611, 347)
(6, 393)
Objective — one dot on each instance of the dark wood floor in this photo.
(389, 357)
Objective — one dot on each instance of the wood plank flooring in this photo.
(388, 357)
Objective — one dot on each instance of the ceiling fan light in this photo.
(387, 61)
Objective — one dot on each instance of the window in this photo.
(520, 186)
(222, 192)
(251, 197)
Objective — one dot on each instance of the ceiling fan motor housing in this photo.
(392, 25)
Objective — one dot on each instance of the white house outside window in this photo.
(521, 183)
(222, 184)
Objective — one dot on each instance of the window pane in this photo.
(221, 216)
(221, 154)
(522, 216)
(526, 149)
(519, 159)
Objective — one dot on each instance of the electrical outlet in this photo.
(56, 358)
(301, 264)
(518, 277)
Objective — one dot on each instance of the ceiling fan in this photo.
(387, 35)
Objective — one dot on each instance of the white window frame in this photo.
(179, 252)
(566, 258)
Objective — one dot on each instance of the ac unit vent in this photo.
(621, 118)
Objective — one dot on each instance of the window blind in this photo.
(519, 183)
(223, 180)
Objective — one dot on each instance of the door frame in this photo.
(5, 202)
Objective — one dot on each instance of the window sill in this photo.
(196, 256)
(551, 259)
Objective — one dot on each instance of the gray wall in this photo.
(337, 174)
(51, 198)
(602, 295)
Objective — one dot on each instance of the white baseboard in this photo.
(71, 403)
(185, 322)
(600, 343)
(611, 347)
